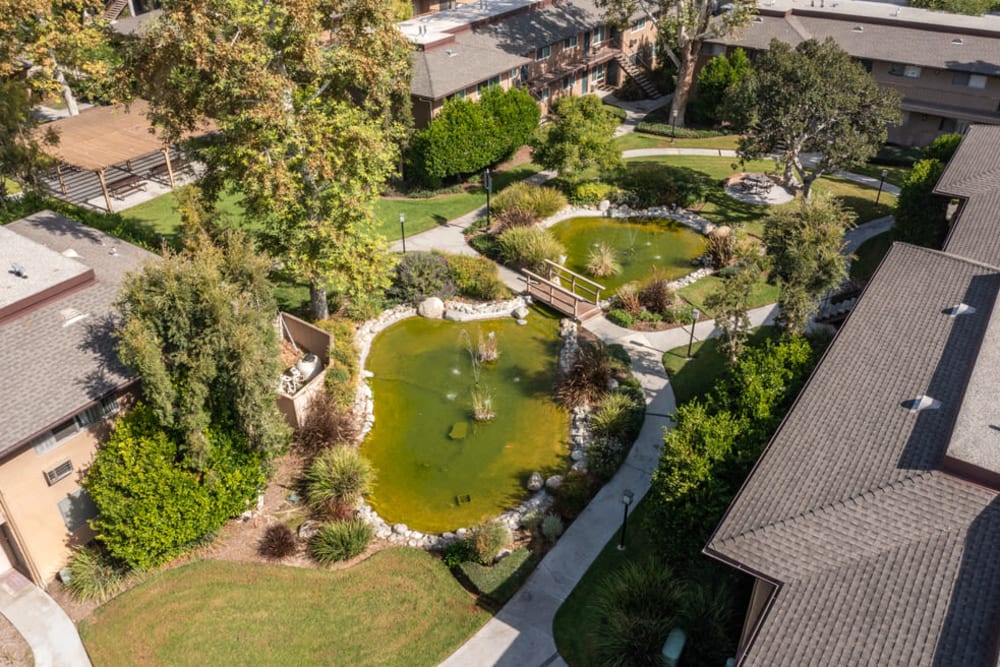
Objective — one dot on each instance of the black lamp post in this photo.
(627, 496)
(673, 124)
(885, 172)
(488, 185)
(694, 320)
(402, 229)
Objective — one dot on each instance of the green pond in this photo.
(438, 469)
(642, 246)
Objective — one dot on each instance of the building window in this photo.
(544, 94)
(494, 81)
(948, 125)
(638, 25)
(76, 509)
(49, 440)
(567, 83)
(908, 71)
(514, 74)
(543, 53)
(713, 49)
(968, 80)
(597, 74)
(598, 36)
(570, 42)
(460, 95)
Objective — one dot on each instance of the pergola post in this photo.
(62, 184)
(104, 187)
(170, 169)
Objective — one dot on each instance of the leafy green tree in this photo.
(310, 100)
(942, 148)
(580, 136)
(515, 112)
(719, 74)
(730, 302)
(21, 147)
(814, 98)
(152, 508)
(920, 214)
(198, 327)
(971, 7)
(462, 139)
(805, 243)
(683, 27)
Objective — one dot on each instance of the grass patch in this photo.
(427, 213)
(162, 217)
(499, 582)
(400, 607)
(895, 176)
(869, 254)
(695, 293)
(857, 198)
(696, 377)
(576, 619)
(637, 140)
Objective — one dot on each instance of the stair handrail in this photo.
(588, 286)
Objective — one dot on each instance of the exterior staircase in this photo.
(638, 75)
(114, 9)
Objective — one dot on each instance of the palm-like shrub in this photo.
(97, 577)
(612, 416)
(278, 542)
(339, 541)
(637, 606)
(588, 378)
(529, 247)
(657, 296)
(602, 261)
(338, 476)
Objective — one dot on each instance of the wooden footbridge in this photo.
(567, 292)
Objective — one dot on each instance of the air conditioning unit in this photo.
(61, 471)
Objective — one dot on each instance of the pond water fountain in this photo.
(642, 246)
(439, 466)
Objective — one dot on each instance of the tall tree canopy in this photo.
(310, 97)
(805, 243)
(580, 136)
(921, 215)
(683, 26)
(812, 99)
(198, 327)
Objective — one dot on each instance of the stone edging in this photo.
(364, 405)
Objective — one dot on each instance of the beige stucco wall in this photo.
(33, 515)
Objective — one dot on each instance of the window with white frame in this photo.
(543, 53)
(907, 71)
(638, 24)
(597, 74)
(968, 80)
(598, 35)
(570, 42)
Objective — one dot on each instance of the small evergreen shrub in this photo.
(604, 458)
(657, 295)
(420, 275)
(620, 317)
(489, 538)
(573, 495)
(340, 475)
(552, 527)
(528, 248)
(532, 519)
(610, 418)
(97, 577)
(459, 552)
(326, 423)
(476, 277)
(341, 541)
(278, 542)
(592, 193)
(538, 200)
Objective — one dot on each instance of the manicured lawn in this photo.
(857, 198)
(634, 140)
(161, 215)
(576, 619)
(695, 293)
(895, 175)
(869, 254)
(400, 607)
(697, 376)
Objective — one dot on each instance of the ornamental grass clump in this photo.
(538, 200)
(340, 541)
(278, 542)
(587, 380)
(97, 577)
(602, 261)
(529, 247)
(337, 477)
(489, 538)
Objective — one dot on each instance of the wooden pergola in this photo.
(103, 137)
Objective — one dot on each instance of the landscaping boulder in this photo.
(604, 206)
(535, 482)
(553, 483)
(520, 313)
(308, 529)
(432, 308)
(400, 529)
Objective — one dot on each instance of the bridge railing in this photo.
(554, 294)
(579, 285)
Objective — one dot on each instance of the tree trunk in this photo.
(685, 82)
(67, 93)
(317, 301)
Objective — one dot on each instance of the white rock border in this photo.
(364, 405)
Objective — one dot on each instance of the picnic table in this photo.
(125, 186)
(757, 184)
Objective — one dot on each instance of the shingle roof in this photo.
(51, 371)
(974, 173)
(846, 507)
(882, 40)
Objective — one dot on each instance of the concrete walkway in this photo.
(44, 625)
(855, 237)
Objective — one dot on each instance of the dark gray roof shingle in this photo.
(51, 371)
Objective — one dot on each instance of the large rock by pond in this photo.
(536, 482)
(432, 308)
